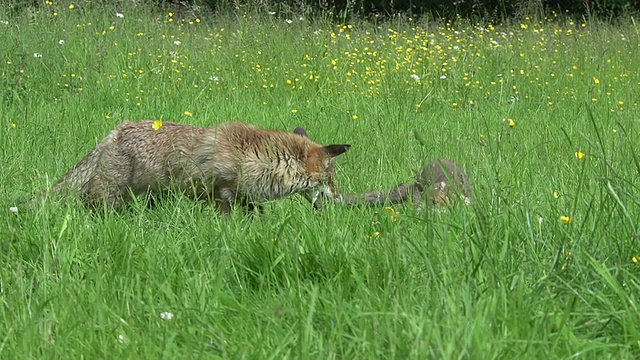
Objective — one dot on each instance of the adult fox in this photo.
(233, 163)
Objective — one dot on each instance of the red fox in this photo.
(439, 183)
(233, 163)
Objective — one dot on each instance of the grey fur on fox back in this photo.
(439, 183)
(231, 163)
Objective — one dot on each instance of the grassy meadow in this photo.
(543, 114)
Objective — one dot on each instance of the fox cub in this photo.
(439, 183)
(233, 163)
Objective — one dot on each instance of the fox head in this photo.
(320, 166)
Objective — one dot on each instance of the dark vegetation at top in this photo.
(345, 10)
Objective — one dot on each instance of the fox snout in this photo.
(316, 195)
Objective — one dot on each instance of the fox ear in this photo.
(300, 131)
(335, 150)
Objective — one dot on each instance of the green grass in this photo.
(504, 278)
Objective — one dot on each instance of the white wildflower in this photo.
(61, 42)
(415, 77)
(166, 315)
(120, 15)
(177, 42)
(288, 21)
(4, 22)
(37, 55)
(213, 78)
(442, 77)
(272, 12)
(13, 209)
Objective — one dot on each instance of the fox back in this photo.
(231, 163)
